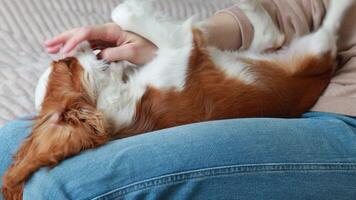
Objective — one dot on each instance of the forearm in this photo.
(223, 31)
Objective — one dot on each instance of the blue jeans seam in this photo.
(221, 171)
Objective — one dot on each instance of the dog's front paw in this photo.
(121, 16)
(134, 15)
(129, 14)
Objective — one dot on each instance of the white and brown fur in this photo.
(82, 105)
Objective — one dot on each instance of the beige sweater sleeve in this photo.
(292, 17)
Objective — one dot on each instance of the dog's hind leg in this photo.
(266, 34)
(321, 44)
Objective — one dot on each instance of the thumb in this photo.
(124, 52)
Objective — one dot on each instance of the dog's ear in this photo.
(199, 39)
(67, 124)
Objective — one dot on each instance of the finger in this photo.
(107, 32)
(79, 36)
(54, 49)
(60, 39)
(120, 53)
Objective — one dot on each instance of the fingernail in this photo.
(49, 50)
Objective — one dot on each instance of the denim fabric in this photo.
(313, 157)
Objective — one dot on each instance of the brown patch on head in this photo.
(67, 124)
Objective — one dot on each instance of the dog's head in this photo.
(89, 87)
(66, 96)
(82, 61)
(67, 123)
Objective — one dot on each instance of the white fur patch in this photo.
(167, 71)
(41, 89)
(266, 34)
(230, 64)
(115, 98)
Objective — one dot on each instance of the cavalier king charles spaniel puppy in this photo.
(84, 102)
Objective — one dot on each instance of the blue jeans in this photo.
(313, 157)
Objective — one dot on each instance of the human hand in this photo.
(116, 44)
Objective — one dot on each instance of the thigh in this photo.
(312, 157)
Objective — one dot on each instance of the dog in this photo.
(84, 102)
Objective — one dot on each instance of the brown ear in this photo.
(67, 124)
(198, 38)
